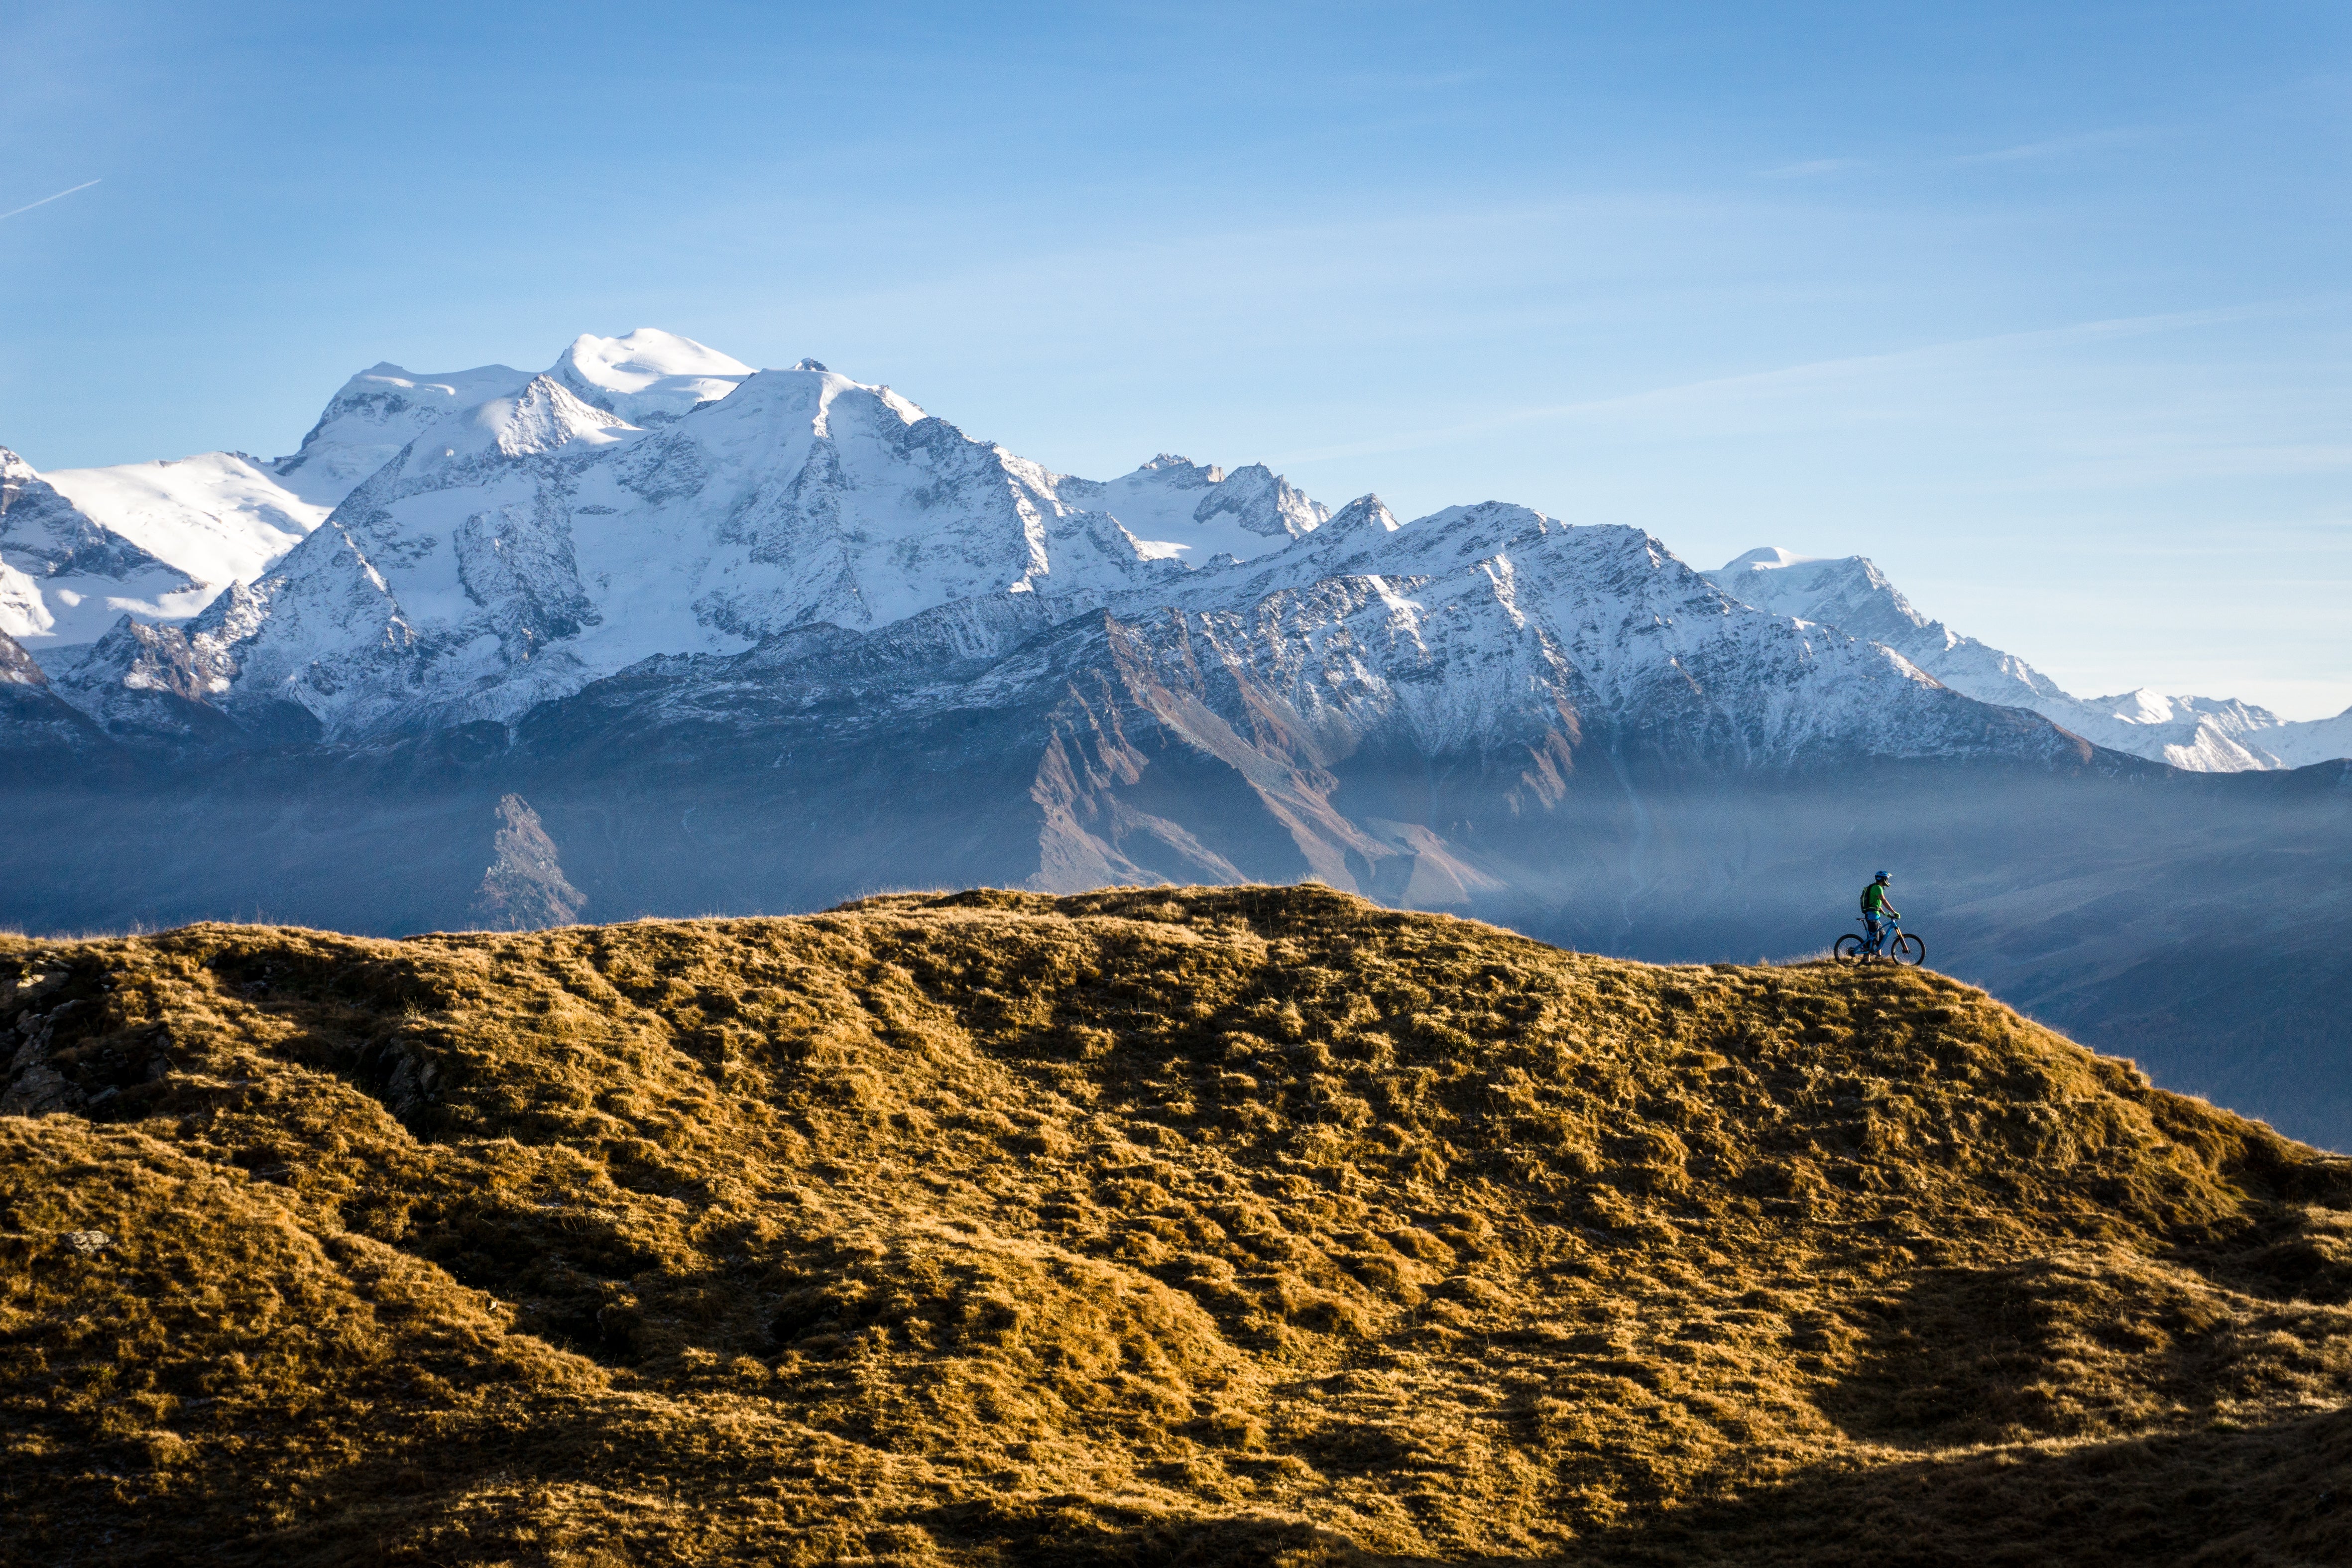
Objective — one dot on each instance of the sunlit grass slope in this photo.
(1243, 1226)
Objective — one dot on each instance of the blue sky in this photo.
(2045, 309)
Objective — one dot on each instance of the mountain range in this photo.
(705, 537)
(2202, 734)
(652, 632)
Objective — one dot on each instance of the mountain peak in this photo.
(1367, 511)
(375, 413)
(542, 416)
(1263, 502)
(1768, 558)
(647, 375)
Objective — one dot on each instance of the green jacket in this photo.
(1874, 901)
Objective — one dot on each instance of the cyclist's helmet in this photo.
(1882, 877)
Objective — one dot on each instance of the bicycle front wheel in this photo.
(1907, 949)
(1847, 949)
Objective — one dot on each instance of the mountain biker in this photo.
(1876, 910)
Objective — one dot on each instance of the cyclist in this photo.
(1875, 911)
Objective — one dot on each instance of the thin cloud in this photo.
(45, 201)
(2056, 146)
(1811, 168)
(2079, 331)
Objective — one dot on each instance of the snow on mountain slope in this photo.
(2202, 735)
(219, 517)
(517, 552)
(2299, 744)
(1348, 543)
(648, 377)
(648, 498)
(373, 415)
(1193, 513)
(65, 577)
(1493, 623)
(223, 517)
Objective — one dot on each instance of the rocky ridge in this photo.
(2202, 735)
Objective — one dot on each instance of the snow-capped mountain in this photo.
(1184, 511)
(198, 524)
(517, 550)
(2202, 735)
(515, 553)
(475, 545)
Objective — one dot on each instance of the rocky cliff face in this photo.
(524, 889)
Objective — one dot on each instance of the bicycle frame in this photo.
(1893, 942)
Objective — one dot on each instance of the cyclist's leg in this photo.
(1870, 942)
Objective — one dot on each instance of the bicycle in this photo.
(1894, 945)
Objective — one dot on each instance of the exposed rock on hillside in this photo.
(1238, 1225)
(524, 889)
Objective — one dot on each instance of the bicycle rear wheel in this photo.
(1847, 949)
(1907, 949)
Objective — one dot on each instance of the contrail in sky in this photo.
(45, 201)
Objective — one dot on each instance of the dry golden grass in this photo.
(1241, 1225)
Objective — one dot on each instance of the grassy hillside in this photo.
(1250, 1226)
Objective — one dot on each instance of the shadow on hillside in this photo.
(2075, 1344)
(2276, 1495)
(1076, 1531)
